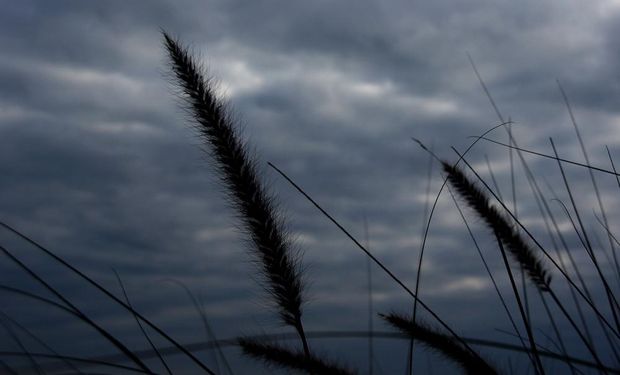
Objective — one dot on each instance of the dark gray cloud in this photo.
(99, 163)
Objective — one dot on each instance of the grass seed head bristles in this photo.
(275, 355)
(516, 245)
(279, 262)
(444, 344)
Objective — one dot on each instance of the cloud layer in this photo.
(99, 162)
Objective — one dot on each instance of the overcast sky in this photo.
(99, 161)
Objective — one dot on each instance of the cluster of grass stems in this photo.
(278, 261)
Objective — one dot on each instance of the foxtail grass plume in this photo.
(518, 248)
(278, 260)
(275, 355)
(444, 344)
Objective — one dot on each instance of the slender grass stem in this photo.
(371, 256)
(336, 335)
(420, 259)
(594, 184)
(38, 340)
(18, 341)
(580, 278)
(142, 330)
(8, 369)
(371, 353)
(210, 334)
(602, 170)
(538, 366)
(108, 294)
(488, 270)
(547, 214)
(549, 290)
(538, 192)
(79, 313)
(542, 249)
(64, 358)
(556, 331)
(613, 303)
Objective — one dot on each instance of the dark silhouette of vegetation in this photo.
(279, 263)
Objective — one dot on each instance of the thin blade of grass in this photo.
(567, 161)
(49, 302)
(613, 303)
(556, 331)
(549, 291)
(233, 342)
(86, 361)
(38, 340)
(107, 293)
(488, 270)
(8, 369)
(420, 258)
(542, 249)
(370, 255)
(142, 330)
(22, 347)
(205, 322)
(103, 332)
(371, 354)
(538, 366)
(594, 184)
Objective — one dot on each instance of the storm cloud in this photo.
(100, 163)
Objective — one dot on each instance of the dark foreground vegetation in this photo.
(550, 272)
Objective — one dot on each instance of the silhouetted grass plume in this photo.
(441, 343)
(518, 248)
(279, 263)
(276, 355)
(278, 260)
